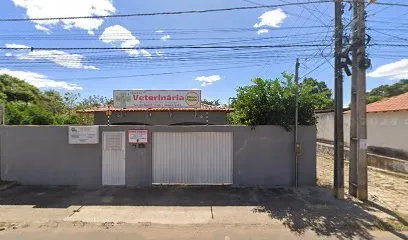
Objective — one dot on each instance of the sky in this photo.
(216, 72)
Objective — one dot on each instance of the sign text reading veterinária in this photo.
(157, 98)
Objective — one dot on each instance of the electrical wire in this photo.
(166, 47)
(161, 13)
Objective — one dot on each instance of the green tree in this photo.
(22, 113)
(91, 101)
(211, 102)
(386, 91)
(272, 102)
(26, 104)
(322, 95)
(14, 89)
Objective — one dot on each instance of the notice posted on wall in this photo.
(138, 136)
(83, 134)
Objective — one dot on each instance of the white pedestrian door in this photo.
(194, 158)
(113, 158)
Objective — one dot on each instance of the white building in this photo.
(387, 126)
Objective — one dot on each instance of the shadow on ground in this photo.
(298, 209)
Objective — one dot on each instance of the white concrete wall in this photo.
(385, 129)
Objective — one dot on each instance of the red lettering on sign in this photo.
(137, 97)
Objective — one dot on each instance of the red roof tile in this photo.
(397, 103)
(204, 108)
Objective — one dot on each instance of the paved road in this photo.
(188, 213)
(196, 232)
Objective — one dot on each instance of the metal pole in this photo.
(338, 114)
(353, 114)
(362, 186)
(109, 114)
(297, 145)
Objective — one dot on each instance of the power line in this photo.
(392, 4)
(290, 13)
(161, 13)
(151, 32)
(156, 74)
(265, 68)
(314, 69)
(390, 35)
(388, 45)
(294, 38)
(167, 47)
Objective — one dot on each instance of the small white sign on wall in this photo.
(363, 144)
(83, 134)
(138, 136)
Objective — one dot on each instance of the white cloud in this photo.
(160, 31)
(165, 37)
(208, 80)
(262, 31)
(66, 8)
(39, 80)
(159, 53)
(272, 18)
(120, 36)
(145, 53)
(59, 57)
(42, 28)
(394, 71)
(195, 89)
(13, 45)
(91, 67)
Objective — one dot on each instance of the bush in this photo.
(272, 102)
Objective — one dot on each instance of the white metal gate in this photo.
(196, 158)
(113, 158)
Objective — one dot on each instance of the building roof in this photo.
(204, 108)
(397, 103)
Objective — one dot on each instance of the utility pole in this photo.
(297, 145)
(358, 175)
(353, 105)
(338, 113)
(362, 178)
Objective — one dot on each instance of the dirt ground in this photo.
(387, 190)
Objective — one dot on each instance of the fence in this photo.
(261, 156)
